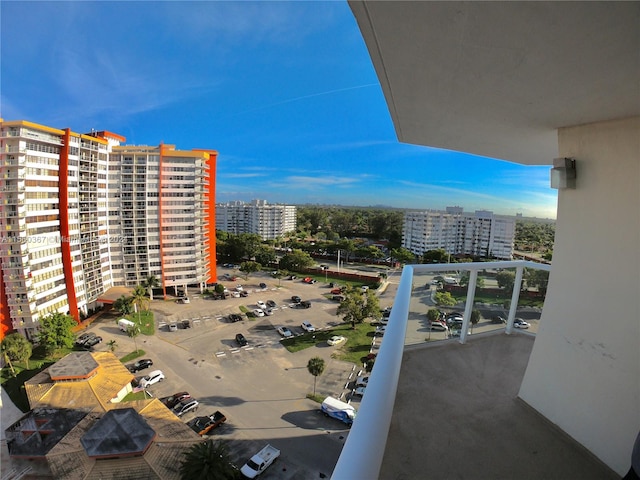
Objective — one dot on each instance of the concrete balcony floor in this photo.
(457, 416)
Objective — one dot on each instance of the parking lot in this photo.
(260, 387)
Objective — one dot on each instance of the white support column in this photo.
(515, 298)
(471, 293)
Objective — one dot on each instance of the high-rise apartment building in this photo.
(80, 214)
(480, 234)
(268, 221)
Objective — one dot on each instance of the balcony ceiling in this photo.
(498, 78)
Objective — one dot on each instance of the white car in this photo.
(307, 327)
(336, 340)
(362, 381)
(184, 300)
(235, 294)
(285, 332)
(261, 304)
(239, 288)
(151, 379)
(185, 406)
(258, 312)
(520, 323)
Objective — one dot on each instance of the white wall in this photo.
(584, 371)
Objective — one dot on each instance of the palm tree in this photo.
(150, 283)
(315, 367)
(208, 461)
(133, 331)
(139, 298)
(123, 305)
(112, 345)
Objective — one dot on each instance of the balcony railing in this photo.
(364, 449)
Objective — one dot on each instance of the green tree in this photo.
(433, 314)
(435, 256)
(208, 461)
(17, 348)
(296, 261)
(464, 280)
(249, 267)
(357, 306)
(506, 279)
(139, 299)
(538, 279)
(265, 255)
(133, 331)
(444, 299)
(112, 345)
(150, 283)
(315, 366)
(402, 255)
(475, 317)
(55, 331)
(123, 305)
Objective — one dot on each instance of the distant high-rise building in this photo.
(81, 214)
(480, 234)
(268, 221)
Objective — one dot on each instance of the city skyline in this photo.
(284, 91)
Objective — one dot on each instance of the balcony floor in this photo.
(457, 416)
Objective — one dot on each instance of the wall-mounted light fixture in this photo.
(563, 173)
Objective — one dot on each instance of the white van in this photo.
(124, 324)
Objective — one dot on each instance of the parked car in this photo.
(239, 288)
(92, 341)
(304, 304)
(258, 312)
(261, 304)
(296, 299)
(359, 391)
(336, 291)
(336, 340)
(184, 300)
(176, 398)
(234, 317)
(291, 277)
(271, 303)
(173, 327)
(244, 293)
(84, 337)
(285, 332)
(140, 365)
(151, 379)
(307, 327)
(520, 323)
(185, 406)
(263, 286)
(235, 294)
(380, 330)
(362, 381)
(498, 319)
(268, 311)
(204, 425)
(240, 340)
(437, 326)
(337, 298)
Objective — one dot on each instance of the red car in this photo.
(176, 398)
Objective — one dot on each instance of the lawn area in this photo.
(354, 350)
(146, 322)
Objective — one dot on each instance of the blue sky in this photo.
(284, 91)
